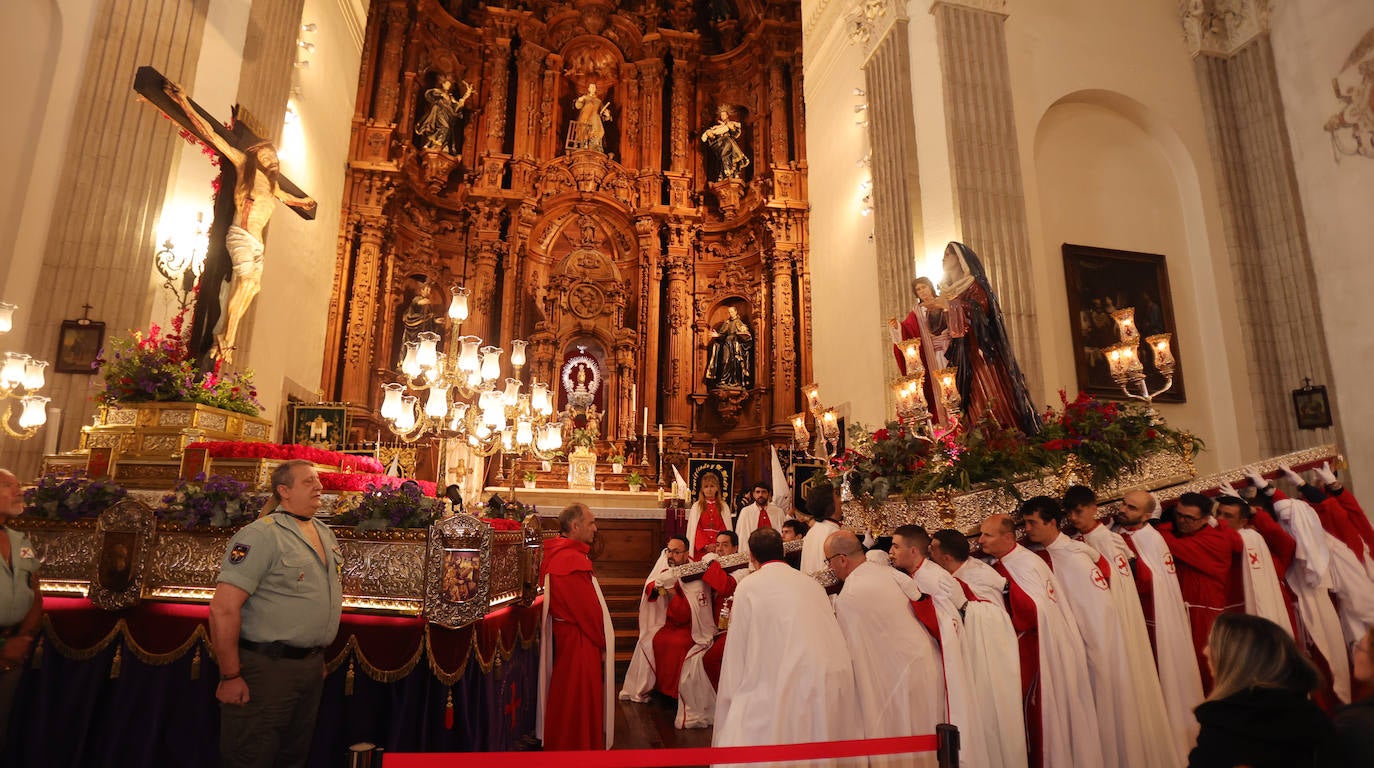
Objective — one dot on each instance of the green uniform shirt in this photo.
(16, 594)
(293, 598)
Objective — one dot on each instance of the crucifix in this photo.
(250, 183)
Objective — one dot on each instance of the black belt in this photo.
(280, 650)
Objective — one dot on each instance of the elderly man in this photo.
(950, 550)
(1207, 555)
(1061, 719)
(763, 513)
(787, 676)
(677, 626)
(577, 653)
(1166, 617)
(275, 609)
(21, 598)
(1130, 706)
(978, 649)
(896, 664)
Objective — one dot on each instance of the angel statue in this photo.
(437, 129)
(588, 130)
(721, 138)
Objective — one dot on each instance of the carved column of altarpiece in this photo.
(629, 256)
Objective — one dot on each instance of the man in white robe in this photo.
(978, 648)
(1150, 712)
(1310, 579)
(761, 513)
(1166, 617)
(1263, 590)
(820, 505)
(1061, 720)
(787, 676)
(950, 550)
(667, 647)
(1128, 739)
(897, 673)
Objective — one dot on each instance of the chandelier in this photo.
(21, 376)
(465, 396)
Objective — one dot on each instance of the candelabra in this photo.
(913, 412)
(827, 421)
(1123, 359)
(462, 399)
(21, 376)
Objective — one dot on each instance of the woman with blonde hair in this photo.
(1259, 714)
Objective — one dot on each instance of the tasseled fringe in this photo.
(118, 661)
(348, 679)
(195, 665)
(448, 711)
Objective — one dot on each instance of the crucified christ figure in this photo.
(255, 193)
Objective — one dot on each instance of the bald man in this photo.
(1061, 718)
(1166, 617)
(896, 665)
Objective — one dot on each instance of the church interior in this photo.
(678, 238)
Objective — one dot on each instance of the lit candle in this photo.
(1125, 323)
(1164, 356)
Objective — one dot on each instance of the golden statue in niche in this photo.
(588, 130)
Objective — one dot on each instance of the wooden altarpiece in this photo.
(631, 255)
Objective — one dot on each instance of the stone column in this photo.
(989, 200)
(1266, 238)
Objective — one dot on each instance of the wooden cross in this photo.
(151, 85)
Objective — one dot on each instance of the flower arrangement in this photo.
(381, 507)
(229, 449)
(1105, 439)
(70, 497)
(158, 367)
(218, 501)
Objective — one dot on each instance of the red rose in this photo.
(880, 435)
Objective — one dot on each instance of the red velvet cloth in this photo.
(1208, 576)
(574, 709)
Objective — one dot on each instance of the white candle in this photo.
(646, 421)
(634, 396)
(660, 439)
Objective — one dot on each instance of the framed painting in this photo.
(320, 425)
(1100, 281)
(1311, 406)
(78, 346)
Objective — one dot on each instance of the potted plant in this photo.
(618, 463)
(636, 481)
(546, 465)
(529, 476)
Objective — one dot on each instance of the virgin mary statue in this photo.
(988, 378)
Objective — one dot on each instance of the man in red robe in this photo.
(577, 659)
(1207, 555)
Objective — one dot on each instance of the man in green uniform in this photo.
(274, 611)
(21, 601)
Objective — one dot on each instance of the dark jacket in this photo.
(1354, 741)
(1260, 728)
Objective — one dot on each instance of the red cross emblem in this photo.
(1254, 559)
(1121, 566)
(1169, 562)
(513, 707)
(1098, 580)
(1050, 591)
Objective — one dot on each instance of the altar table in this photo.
(137, 687)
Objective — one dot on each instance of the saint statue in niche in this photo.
(420, 315)
(721, 139)
(588, 130)
(730, 356)
(438, 129)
